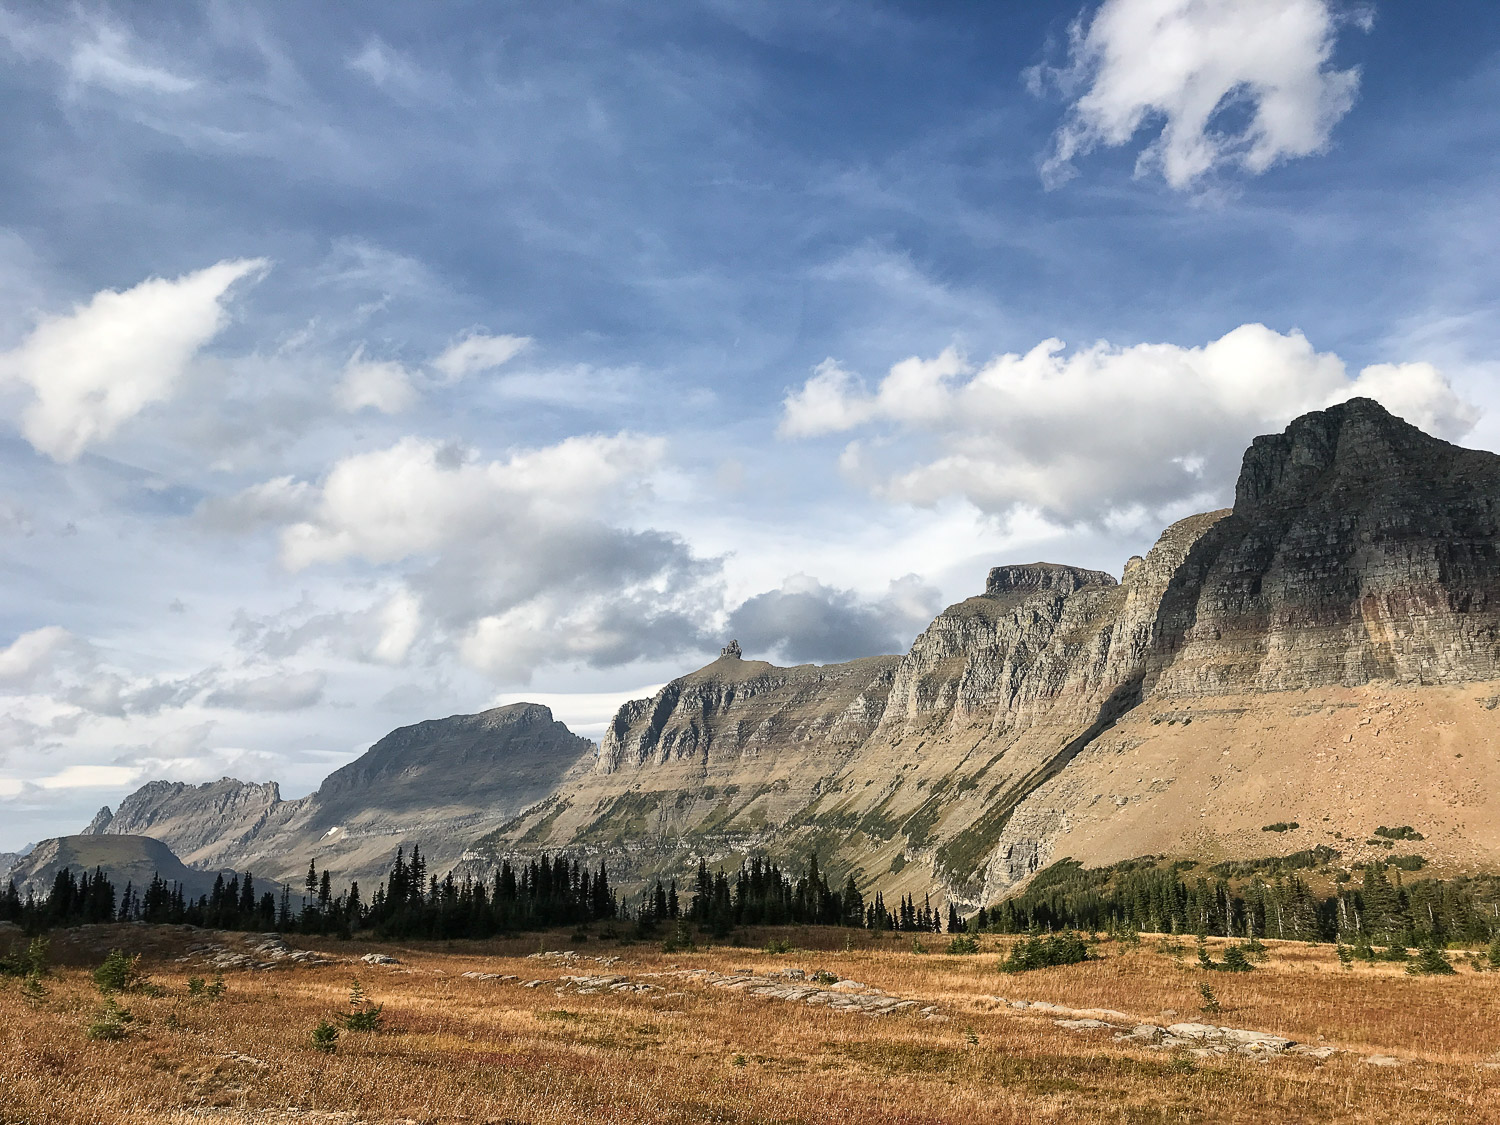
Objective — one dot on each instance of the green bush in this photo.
(1404, 832)
(1235, 961)
(777, 945)
(325, 1037)
(119, 973)
(363, 1014)
(1281, 826)
(963, 943)
(1431, 961)
(823, 976)
(1066, 948)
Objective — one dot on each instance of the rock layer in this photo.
(1360, 558)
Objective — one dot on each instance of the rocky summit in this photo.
(1325, 654)
(1289, 675)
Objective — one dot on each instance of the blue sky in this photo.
(360, 365)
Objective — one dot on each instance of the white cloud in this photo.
(513, 563)
(1098, 431)
(32, 656)
(476, 353)
(107, 59)
(386, 386)
(1190, 66)
(419, 496)
(95, 368)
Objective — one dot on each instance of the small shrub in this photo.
(1210, 1003)
(917, 946)
(1038, 952)
(681, 940)
(823, 976)
(216, 987)
(1346, 955)
(1404, 832)
(1407, 862)
(963, 943)
(1431, 961)
(363, 1014)
(1235, 961)
(325, 1037)
(1281, 826)
(196, 986)
(971, 1037)
(33, 991)
(777, 945)
(1394, 952)
(119, 973)
(738, 1060)
(111, 1022)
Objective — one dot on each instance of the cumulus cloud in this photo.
(419, 496)
(1196, 68)
(33, 657)
(804, 620)
(381, 633)
(1098, 431)
(386, 386)
(478, 352)
(97, 367)
(512, 563)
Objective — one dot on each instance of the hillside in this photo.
(439, 783)
(1325, 652)
(125, 859)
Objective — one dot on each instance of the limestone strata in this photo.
(1360, 560)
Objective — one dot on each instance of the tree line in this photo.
(1141, 895)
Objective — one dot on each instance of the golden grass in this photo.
(460, 1050)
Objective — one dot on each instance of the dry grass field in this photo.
(470, 1049)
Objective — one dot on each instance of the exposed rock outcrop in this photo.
(1360, 557)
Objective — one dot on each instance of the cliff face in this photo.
(439, 783)
(1360, 558)
(207, 825)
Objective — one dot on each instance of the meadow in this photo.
(627, 1032)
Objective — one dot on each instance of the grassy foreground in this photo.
(461, 1049)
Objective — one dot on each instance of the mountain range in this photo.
(1317, 662)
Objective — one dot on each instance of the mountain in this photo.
(125, 859)
(438, 783)
(1325, 653)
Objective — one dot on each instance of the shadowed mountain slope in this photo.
(439, 783)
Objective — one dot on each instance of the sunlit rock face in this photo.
(1360, 557)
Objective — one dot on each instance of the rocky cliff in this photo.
(439, 783)
(1234, 668)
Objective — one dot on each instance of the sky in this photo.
(363, 364)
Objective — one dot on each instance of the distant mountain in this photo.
(125, 859)
(439, 783)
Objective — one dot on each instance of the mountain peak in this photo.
(1358, 440)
